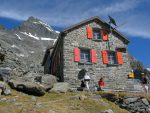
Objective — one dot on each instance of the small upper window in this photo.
(112, 57)
(96, 34)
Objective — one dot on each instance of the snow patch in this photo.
(31, 51)
(48, 28)
(57, 32)
(148, 69)
(18, 37)
(14, 46)
(20, 55)
(44, 24)
(30, 35)
(35, 22)
(54, 41)
(38, 38)
(44, 38)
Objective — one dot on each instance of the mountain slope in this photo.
(27, 43)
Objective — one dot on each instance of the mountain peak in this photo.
(32, 19)
(36, 27)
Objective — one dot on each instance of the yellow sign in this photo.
(131, 75)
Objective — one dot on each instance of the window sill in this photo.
(86, 63)
(112, 65)
(98, 40)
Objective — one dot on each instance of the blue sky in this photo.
(63, 13)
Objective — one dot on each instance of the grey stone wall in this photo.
(114, 76)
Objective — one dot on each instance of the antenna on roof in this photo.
(111, 21)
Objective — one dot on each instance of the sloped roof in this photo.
(97, 19)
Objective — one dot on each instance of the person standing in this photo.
(101, 83)
(145, 82)
(87, 80)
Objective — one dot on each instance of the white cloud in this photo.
(138, 25)
(138, 33)
(122, 6)
(13, 15)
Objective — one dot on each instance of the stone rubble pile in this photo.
(134, 104)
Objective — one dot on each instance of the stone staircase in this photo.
(131, 85)
(134, 85)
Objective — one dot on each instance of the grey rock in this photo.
(107, 111)
(73, 89)
(4, 88)
(38, 105)
(19, 104)
(50, 111)
(7, 92)
(48, 81)
(95, 97)
(148, 110)
(82, 97)
(11, 100)
(33, 98)
(5, 73)
(27, 87)
(131, 100)
(60, 87)
(145, 101)
(2, 85)
(3, 100)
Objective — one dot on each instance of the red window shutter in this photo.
(104, 35)
(105, 57)
(76, 54)
(120, 59)
(93, 56)
(89, 32)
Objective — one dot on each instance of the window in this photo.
(112, 57)
(84, 56)
(96, 34)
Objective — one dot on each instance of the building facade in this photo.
(90, 45)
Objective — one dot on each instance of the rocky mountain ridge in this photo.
(22, 48)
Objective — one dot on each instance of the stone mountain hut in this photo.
(89, 46)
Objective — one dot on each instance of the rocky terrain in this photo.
(22, 49)
(21, 53)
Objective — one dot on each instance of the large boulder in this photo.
(30, 88)
(48, 81)
(5, 90)
(5, 73)
(60, 87)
